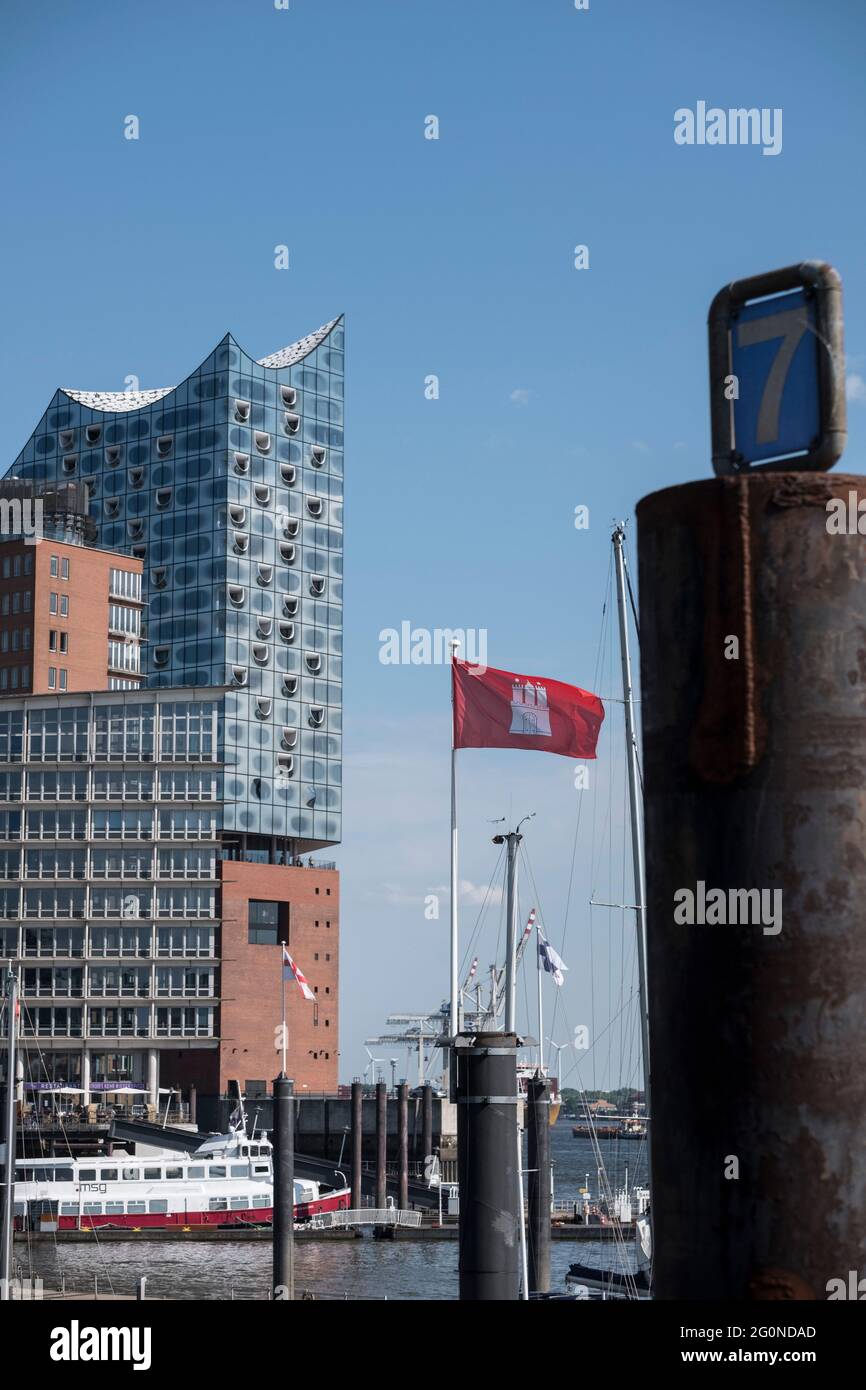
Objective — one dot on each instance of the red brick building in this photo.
(70, 618)
(263, 906)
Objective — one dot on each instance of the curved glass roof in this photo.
(134, 400)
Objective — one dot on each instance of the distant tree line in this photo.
(623, 1098)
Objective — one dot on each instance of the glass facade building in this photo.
(154, 810)
(229, 488)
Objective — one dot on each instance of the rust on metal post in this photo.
(754, 779)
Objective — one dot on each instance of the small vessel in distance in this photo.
(614, 1127)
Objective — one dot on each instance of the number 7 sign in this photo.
(777, 371)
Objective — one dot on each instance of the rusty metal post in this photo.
(381, 1144)
(753, 666)
(403, 1146)
(357, 1142)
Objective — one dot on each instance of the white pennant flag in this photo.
(552, 962)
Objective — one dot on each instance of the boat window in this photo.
(136, 1208)
(196, 1171)
(160, 1205)
(64, 1175)
(152, 1174)
(68, 1208)
(261, 1202)
(174, 1172)
(217, 1170)
(108, 1175)
(87, 1175)
(92, 1208)
(239, 1203)
(260, 1168)
(132, 1175)
(218, 1204)
(113, 1208)
(240, 1170)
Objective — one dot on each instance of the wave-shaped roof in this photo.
(134, 400)
(287, 356)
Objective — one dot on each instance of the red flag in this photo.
(501, 709)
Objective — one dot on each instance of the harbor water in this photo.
(362, 1268)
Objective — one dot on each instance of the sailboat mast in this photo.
(512, 840)
(634, 812)
(538, 973)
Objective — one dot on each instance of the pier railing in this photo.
(364, 1216)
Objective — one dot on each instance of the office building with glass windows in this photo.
(160, 806)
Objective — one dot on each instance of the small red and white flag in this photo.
(527, 930)
(291, 971)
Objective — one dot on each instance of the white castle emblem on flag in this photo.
(529, 712)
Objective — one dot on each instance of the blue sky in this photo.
(452, 257)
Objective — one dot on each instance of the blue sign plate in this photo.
(774, 357)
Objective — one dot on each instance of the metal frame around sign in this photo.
(824, 283)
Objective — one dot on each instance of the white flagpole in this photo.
(455, 943)
(539, 973)
(284, 1033)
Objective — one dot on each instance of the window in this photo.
(64, 605)
(52, 603)
(264, 923)
(28, 562)
(124, 656)
(28, 597)
(64, 643)
(64, 569)
(124, 619)
(125, 584)
(52, 677)
(63, 675)
(16, 601)
(55, 566)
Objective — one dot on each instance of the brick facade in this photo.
(82, 627)
(250, 1008)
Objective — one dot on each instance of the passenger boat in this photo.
(226, 1181)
